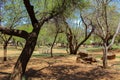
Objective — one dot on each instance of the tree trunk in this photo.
(53, 43)
(70, 43)
(72, 47)
(20, 66)
(5, 51)
(105, 51)
(72, 50)
(51, 50)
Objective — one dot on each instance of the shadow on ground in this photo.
(6, 76)
(65, 72)
(55, 69)
(68, 72)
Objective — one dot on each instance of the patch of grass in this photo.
(94, 49)
(97, 49)
(62, 48)
(118, 57)
(11, 48)
(98, 56)
(48, 55)
(40, 55)
(115, 47)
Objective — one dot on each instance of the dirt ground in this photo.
(63, 68)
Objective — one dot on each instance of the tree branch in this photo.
(93, 27)
(31, 13)
(54, 13)
(2, 37)
(14, 32)
(113, 39)
(85, 25)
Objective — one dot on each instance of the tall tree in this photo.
(57, 31)
(31, 38)
(106, 21)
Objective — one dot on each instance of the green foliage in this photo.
(14, 9)
(26, 27)
(61, 38)
(47, 35)
(44, 36)
(115, 47)
(117, 41)
(83, 4)
(88, 42)
(118, 57)
(12, 12)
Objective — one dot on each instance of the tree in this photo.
(73, 43)
(10, 22)
(106, 21)
(73, 38)
(31, 38)
(6, 40)
(57, 31)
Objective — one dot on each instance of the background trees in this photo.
(36, 13)
(10, 18)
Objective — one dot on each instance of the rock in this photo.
(79, 60)
(90, 59)
(110, 56)
(83, 57)
(82, 54)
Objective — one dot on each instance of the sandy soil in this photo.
(63, 68)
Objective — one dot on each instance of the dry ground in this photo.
(62, 68)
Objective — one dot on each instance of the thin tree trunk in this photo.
(5, 40)
(5, 51)
(51, 52)
(20, 66)
(105, 51)
(71, 47)
(67, 48)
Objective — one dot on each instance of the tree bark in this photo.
(70, 43)
(6, 41)
(105, 51)
(5, 50)
(20, 67)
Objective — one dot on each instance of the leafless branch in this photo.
(31, 13)
(85, 25)
(93, 28)
(114, 36)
